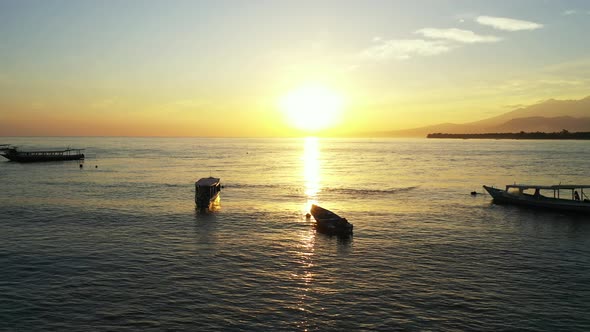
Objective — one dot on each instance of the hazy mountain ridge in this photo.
(548, 116)
(538, 123)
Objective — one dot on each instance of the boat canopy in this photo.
(53, 151)
(68, 150)
(554, 187)
(207, 182)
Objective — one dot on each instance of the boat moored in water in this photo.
(329, 222)
(517, 194)
(206, 192)
(14, 154)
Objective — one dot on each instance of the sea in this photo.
(117, 244)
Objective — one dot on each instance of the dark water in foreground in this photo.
(121, 248)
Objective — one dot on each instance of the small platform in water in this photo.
(14, 154)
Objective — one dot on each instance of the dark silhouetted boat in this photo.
(516, 194)
(329, 222)
(14, 154)
(206, 192)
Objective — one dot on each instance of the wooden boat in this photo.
(206, 192)
(329, 222)
(13, 154)
(517, 194)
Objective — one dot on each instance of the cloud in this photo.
(440, 41)
(570, 12)
(514, 106)
(563, 82)
(402, 49)
(579, 69)
(103, 103)
(443, 41)
(507, 24)
(458, 35)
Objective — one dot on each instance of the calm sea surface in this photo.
(118, 245)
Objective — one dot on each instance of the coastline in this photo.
(563, 135)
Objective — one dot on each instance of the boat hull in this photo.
(207, 192)
(206, 203)
(23, 158)
(502, 197)
(328, 222)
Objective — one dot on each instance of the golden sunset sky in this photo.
(268, 68)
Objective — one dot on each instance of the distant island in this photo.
(564, 134)
(546, 117)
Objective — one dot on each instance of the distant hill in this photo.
(564, 134)
(548, 116)
(551, 108)
(542, 124)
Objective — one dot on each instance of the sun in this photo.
(312, 107)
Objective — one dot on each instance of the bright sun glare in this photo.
(312, 107)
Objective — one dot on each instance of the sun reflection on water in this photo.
(304, 275)
(311, 170)
(311, 175)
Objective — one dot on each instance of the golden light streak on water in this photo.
(305, 274)
(311, 170)
(311, 174)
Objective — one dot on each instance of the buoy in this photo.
(81, 165)
(95, 166)
(473, 193)
(307, 215)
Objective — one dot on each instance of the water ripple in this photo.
(121, 247)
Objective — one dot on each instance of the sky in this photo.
(225, 68)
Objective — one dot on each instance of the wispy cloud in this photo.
(507, 24)
(38, 106)
(578, 69)
(514, 106)
(570, 12)
(458, 35)
(440, 41)
(402, 49)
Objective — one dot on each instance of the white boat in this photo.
(557, 197)
(207, 192)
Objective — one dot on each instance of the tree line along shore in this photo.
(564, 134)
